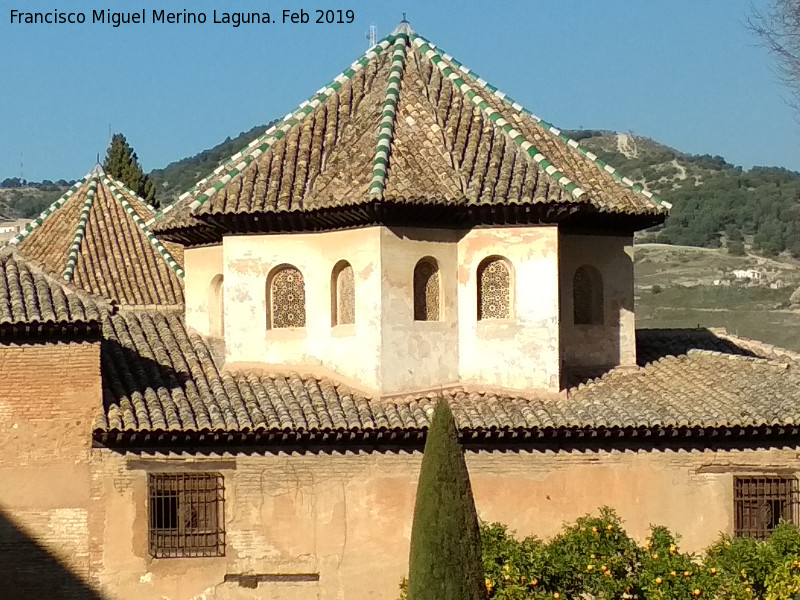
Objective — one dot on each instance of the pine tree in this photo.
(122, 163)
(445, 561)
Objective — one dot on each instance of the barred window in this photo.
(587, 296)
(287, 298)
(216, 318)
(343, 287)
(494, 289)
(426, 290)
(760, 503)
(187, 515)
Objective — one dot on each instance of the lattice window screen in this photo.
(494, 290)
(288, 299)
(426, 291)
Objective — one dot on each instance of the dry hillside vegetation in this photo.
(677, 286)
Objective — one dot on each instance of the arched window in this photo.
(587, 296)
(216, 314)
(427, 297)
(287, 298)
(343, 291)
(494, 289)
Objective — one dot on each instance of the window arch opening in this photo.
(343, 294)
(587, 296)
(427, 293)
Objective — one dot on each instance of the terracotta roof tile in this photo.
(29, 296)
(95, 237)
(159, 376)
(406, 123)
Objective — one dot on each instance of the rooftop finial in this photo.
(403, 27)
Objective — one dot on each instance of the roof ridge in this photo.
(763, 346)
(388, 115)
(437, 58)
(761, 359)
(80, 231)
(279, 130)
(35, 223)
(638, 188)
(154, 241)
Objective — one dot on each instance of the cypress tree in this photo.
(122, 163)
(445, 562)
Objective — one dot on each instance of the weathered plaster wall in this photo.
(347, 518)
(49, 397)
(417, 354)
(201, 265)
(353, 351)
(614, 342)
(521, 352)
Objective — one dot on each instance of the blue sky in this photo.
(685, 73)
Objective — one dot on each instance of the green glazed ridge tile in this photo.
(419, 40)
(279, 130)
(80, 231)
(37, 222)
(388, 115)
(112, 185)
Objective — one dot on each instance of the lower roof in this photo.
(163, 386)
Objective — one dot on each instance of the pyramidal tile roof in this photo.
(408, 124)
(95, 237)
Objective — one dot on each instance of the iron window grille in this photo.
(187, 515)
(760, 503)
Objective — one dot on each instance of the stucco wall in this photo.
(49, 397)
(353, 351)
(521, 352)
(614, 341)
(347, 518)
(201, 265)
(395, 353)
(417, 354)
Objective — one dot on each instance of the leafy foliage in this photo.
(445, 562)
(594, 558)
(122, 163)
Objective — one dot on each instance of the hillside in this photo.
(179, 176)
(681, 286)
(28, 202)
(714, 202)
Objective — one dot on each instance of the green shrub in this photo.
(593, 556)
(784, 582)
(595, 559)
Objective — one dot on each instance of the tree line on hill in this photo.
(716, 203)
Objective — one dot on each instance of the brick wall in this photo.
(50, 395)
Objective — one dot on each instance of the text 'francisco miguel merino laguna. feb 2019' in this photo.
(184, 17)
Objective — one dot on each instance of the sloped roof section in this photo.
(32, 302)
(95, 237)
(158, 377)
(407, 124)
